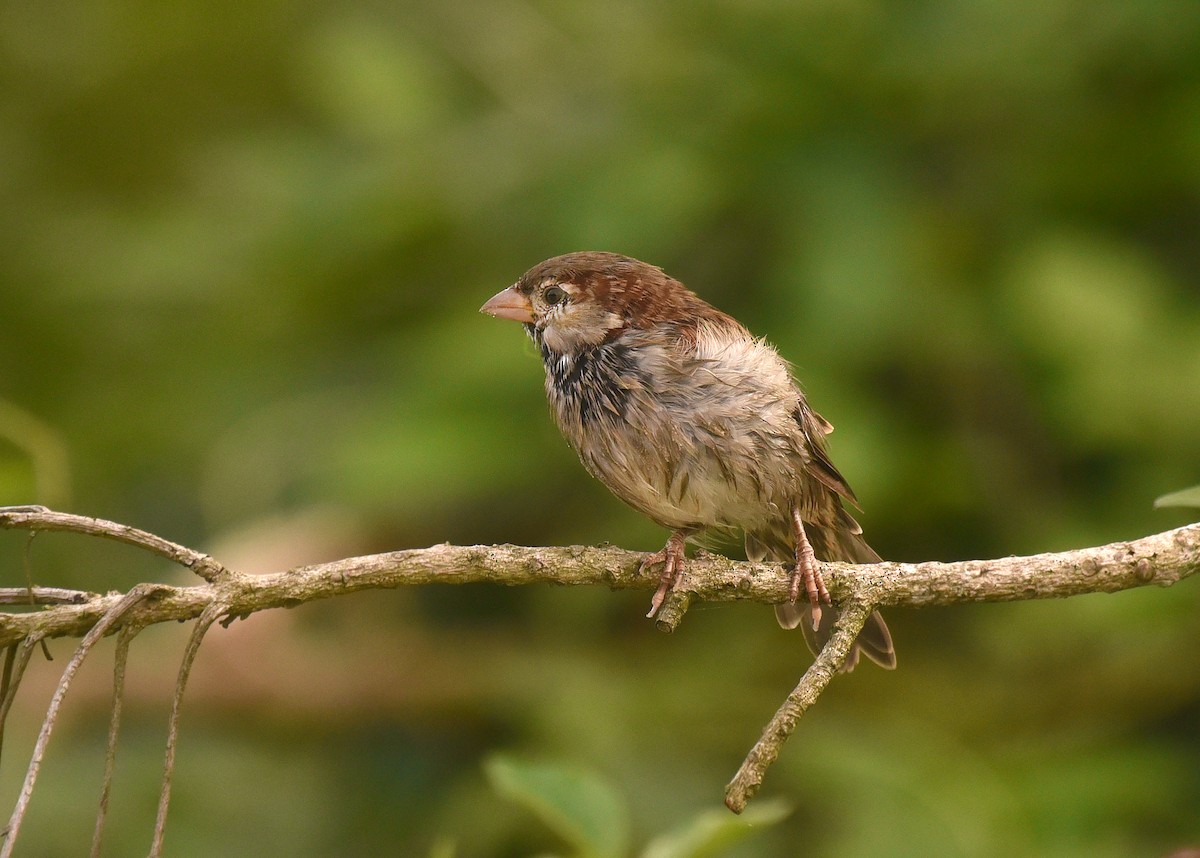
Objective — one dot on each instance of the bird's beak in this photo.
(509, 304)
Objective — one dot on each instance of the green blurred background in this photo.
(242, 249)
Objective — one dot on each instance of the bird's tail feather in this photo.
(874, 641)
(842, 542)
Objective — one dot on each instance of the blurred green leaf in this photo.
(575, 803)
(713, 830)
(47, 457)
(1184, 497)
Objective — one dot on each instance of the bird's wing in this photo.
(815, 428)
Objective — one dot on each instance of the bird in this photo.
(695, 423)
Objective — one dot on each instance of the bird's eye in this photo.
(554, 295)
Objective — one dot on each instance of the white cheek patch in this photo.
(579, 326)
(552, 335)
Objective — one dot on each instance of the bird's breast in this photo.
(690, 442)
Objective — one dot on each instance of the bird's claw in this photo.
(807, 571)
(671, 556)
(660, 596)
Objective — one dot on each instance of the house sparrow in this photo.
(693, 422)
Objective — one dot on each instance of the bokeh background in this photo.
(242, 249)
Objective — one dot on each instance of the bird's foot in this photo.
(671, 556)
(807, 572)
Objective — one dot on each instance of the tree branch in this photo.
(39, 518)
(820, 673)
(1161, 559)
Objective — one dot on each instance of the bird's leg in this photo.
(671, 556)
(807, 571)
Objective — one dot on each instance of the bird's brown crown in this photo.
(643, 295)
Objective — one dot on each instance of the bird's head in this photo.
(569, 302)
(573, 302)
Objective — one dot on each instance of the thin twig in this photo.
(120, 659)
(14, 669)
(37, 518)
(24, 652)
(10, 654)
(111, 617)
(748, 779)
(27, 564)
(211, 613)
